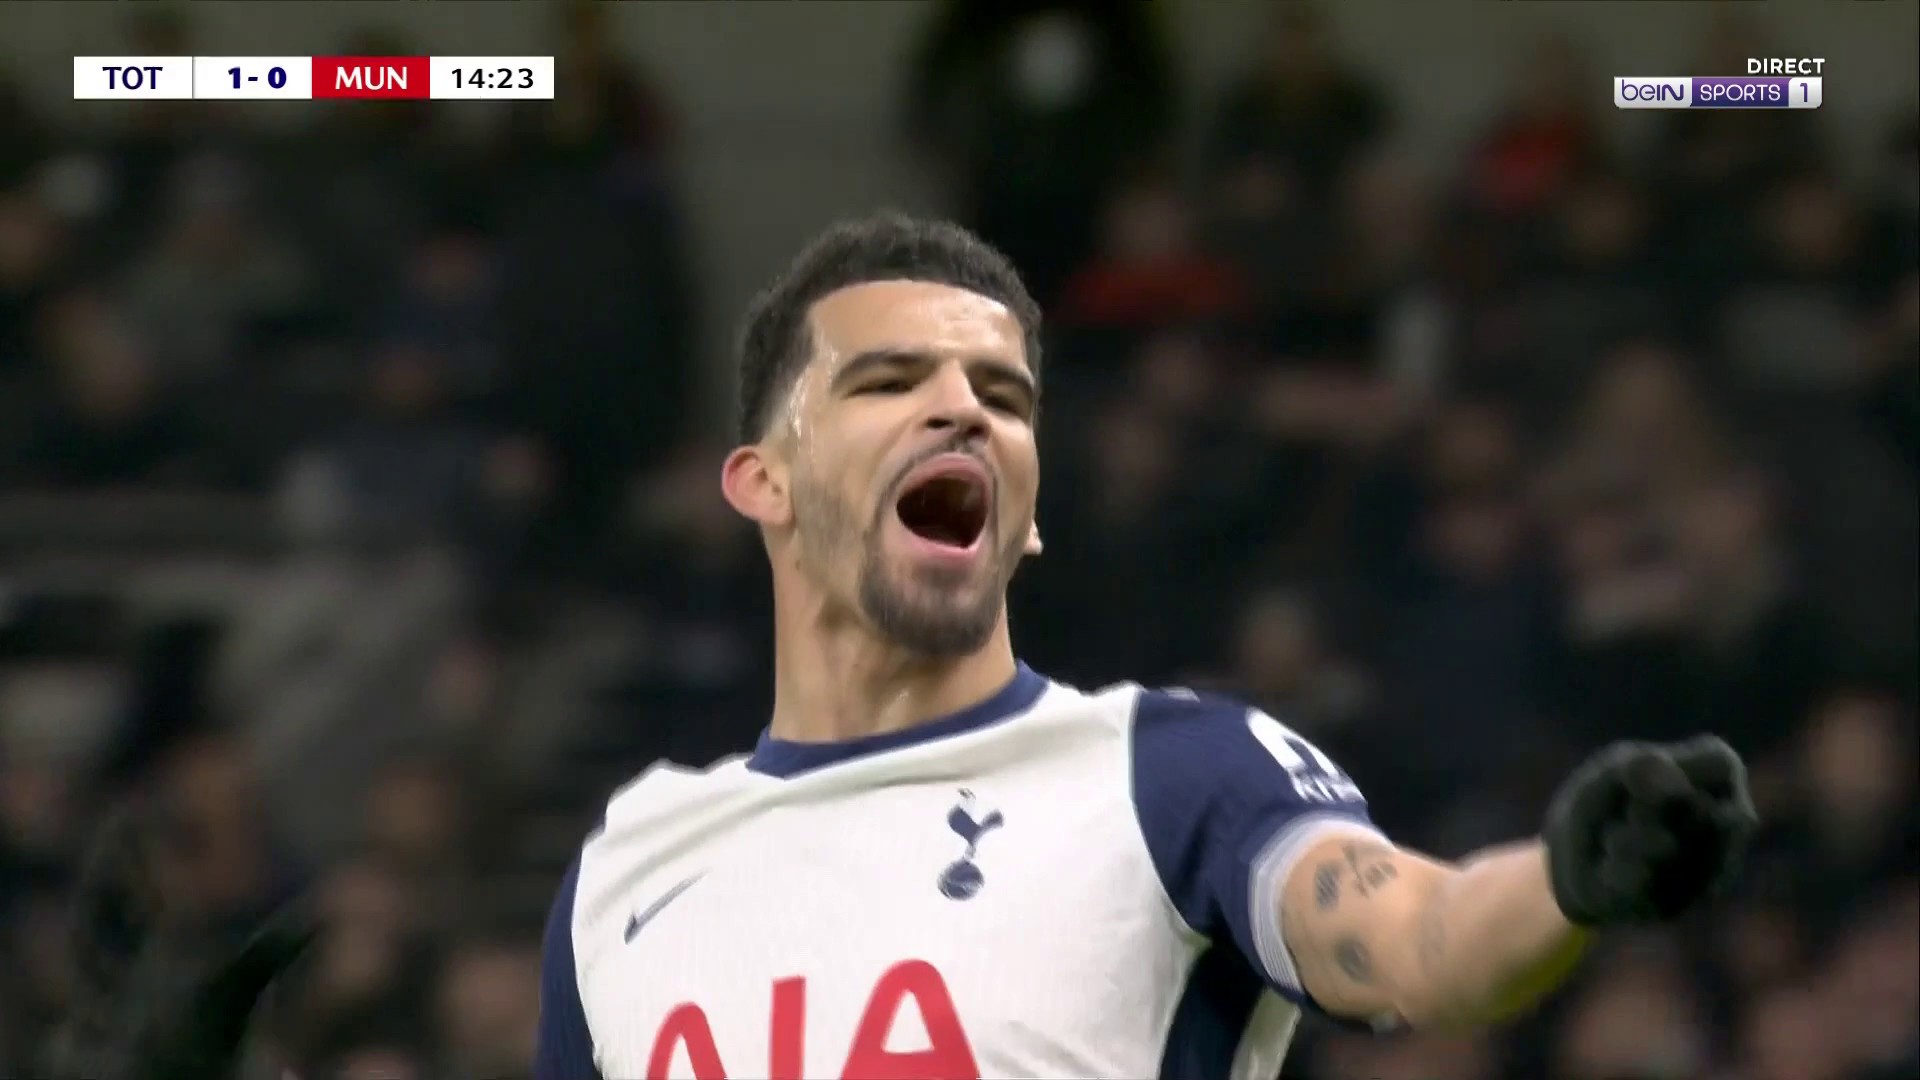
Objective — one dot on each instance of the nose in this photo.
(956, 409)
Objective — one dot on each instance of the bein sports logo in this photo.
(1717, 92)
(962, 879)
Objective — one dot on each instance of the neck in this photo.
(835, 679)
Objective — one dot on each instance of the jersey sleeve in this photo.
(565, 1047)
(1229, 800)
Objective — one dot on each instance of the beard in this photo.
(931, 619)
(933, 616)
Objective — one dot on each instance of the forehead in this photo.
(912, 317)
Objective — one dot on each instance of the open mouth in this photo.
(948, 508)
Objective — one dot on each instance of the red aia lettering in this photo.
(950, 1057)
(787, 1044)
(686, 1026)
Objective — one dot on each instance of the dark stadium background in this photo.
(358, 461)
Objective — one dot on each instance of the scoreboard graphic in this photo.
(297, 78)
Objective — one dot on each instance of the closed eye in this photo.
(887, 386)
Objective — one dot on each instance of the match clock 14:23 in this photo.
(500, 78)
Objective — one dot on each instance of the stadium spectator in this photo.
(31, 252)
(1034, 109)
(217, 278)
(1547, 136)
(610, 113)
(1301, 117)
(1149, 269)
(1711, 164)
(108, 417)
(414, 466)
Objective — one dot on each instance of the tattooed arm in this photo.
(1376, 931)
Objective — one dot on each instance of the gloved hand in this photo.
(1642, 832)
(159, 997)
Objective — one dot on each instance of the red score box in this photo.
(372, 77)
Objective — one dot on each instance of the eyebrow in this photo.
(866, 363)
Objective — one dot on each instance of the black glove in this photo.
(159, 997)
(1641, 832)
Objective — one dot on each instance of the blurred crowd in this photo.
(357, 508)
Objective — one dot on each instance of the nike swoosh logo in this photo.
(637, 922)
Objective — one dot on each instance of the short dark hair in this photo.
(889, 246)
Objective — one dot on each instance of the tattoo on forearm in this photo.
(1372, 866)
(1360, 869)
(1354, 960)
(1326, 886)
(1368, 867)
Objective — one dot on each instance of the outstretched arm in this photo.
(1638, 834)
(1264, 845)
(1378, 932)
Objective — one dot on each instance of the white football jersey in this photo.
(1049, 884)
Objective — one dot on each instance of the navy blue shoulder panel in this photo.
(1226, 797)
(565, 1047)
